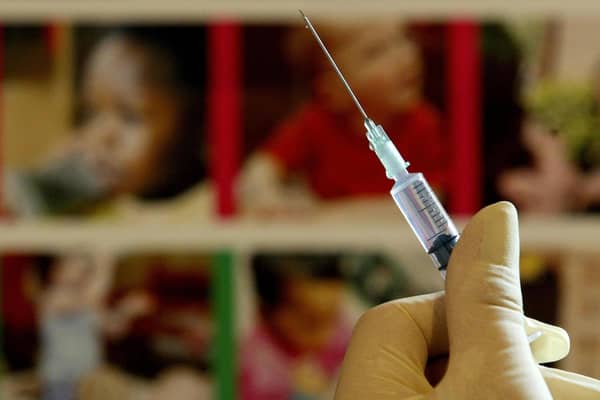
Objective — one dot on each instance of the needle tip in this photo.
(309, 26)
(306, 21)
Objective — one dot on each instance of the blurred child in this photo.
(140, 129)
(324, 141)
(73, 318)
(70, 323)
(299, 343)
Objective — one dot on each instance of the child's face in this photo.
(71, 272)
(130, 117)
(309, 313)
(381, 65)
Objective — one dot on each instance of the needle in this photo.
(335, 67)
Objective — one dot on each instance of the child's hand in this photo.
(308, 378)
(133, 306)
(552, 184)
(477, 327)
(262, 191)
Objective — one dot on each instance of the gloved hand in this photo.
(477, 327)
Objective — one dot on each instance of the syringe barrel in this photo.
(427, 218)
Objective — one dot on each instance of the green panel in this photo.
(2, 360)
(223, 306)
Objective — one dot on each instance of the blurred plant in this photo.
(571, 111)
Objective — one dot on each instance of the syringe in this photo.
(411, 192)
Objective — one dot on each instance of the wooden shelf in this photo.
(556, 235)
(279, 10)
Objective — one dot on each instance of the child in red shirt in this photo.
(324, 142)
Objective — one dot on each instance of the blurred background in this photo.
(190, 209)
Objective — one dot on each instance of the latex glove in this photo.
(479, 322)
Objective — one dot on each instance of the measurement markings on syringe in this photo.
(429, 239)
(435, 215)
(430, 208)
(421, 190)
(427, 203)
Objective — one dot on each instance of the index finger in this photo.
(390, 346)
